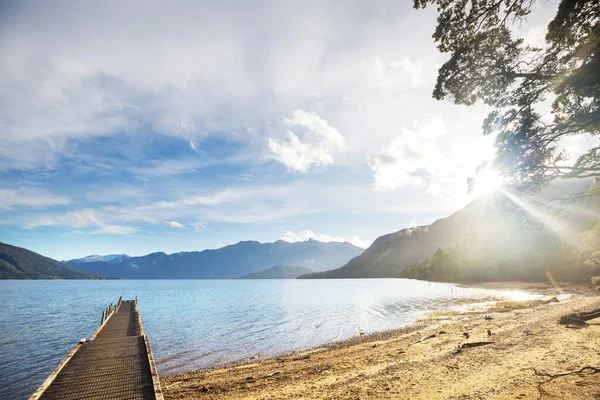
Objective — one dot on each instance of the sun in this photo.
(487, 181)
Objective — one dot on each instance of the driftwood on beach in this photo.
(460, 347)
(579, 318)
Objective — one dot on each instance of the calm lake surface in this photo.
(201, 323)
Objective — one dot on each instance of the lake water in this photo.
(201, 323)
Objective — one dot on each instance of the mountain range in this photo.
(20, 263)
(228, 262)
(278, 272)
(110, 258)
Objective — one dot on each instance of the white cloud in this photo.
(195, 145)
(172, 167)
(410, 158)
(413, 222)
(576, 146)
(197, 200)
(27, 154)
(316, 128)
(535, 36)
(174, 224)
(260, 204)
(165, 72)
(428, 156)
(358, 242)
(301, 236)
(30, 197)
(396, 72)
(195, 69)
(198, 226)
(80, 219)
(115, 230)
(316, 148)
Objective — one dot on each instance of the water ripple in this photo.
(197, 324)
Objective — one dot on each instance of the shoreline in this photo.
(542, 288)
(533, 288)
(384, 364)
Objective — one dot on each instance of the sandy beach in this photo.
(527, 353)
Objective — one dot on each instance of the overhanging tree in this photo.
(523, 82)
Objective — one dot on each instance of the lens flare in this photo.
(487, 181)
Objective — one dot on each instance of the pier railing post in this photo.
(110, 310)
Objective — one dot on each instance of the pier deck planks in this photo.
(115, 365)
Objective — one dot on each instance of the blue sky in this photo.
(134, 127)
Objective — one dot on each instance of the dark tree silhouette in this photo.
(488, 64)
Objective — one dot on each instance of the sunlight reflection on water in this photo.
(201, 323)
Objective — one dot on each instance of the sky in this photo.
(142, 126)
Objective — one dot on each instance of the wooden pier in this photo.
(116, 363)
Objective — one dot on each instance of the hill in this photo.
(278, 272)
(20, 263)
(228, 262)
(390, 253)
(559, 241)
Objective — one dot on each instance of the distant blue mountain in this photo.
(227, 262)
(111, 258)
(278, 272)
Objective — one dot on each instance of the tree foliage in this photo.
(488, 64)
(481, 259)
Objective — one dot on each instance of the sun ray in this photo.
(555, 224)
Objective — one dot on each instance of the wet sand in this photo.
(527, 343)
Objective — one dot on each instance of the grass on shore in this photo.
(506, 306)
